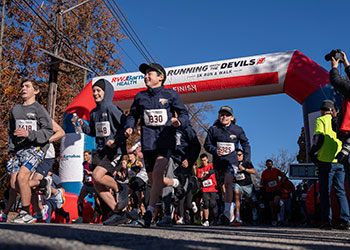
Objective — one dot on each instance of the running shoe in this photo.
(3, 218)
(238, 222)
(60, 197)
(44, 212)
(148, 219)
(132, 215)
(78, 220)
(23, 218)
(47, 192)
(165, 222)
(115, 219)
(206, 224)
(194, 207)
(180, 221)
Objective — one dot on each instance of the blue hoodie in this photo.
(229, 136)
(106, 120)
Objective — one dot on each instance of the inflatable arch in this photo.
(288, 72)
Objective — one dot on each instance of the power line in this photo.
(133, 30)
(125, 28)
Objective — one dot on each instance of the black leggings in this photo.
(209, 199)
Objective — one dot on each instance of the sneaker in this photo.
(44, 212)
(180, 221)
(344, 225)
(274, 223)
(206, 224)
(115, 219)
(194, 207)
(47, 192)
(147, 219)
(60, 197)
(78, 220)
(238, 222)
(23, 218)
(326, 226)
(197, 222)
(224, 220)
(3, 218)
(67, 218)
(165, 222)
(132, 215)
(229, 215)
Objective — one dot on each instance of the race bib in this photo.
(240, 176)
(207, 183)
(29, 125)
(272, 184)
(155, 117)
(103, 129)
(227, 147)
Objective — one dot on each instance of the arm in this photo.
(180, 109)
(58, 132)
(339, 83)
(133, 116)
(43, 134)
(209, 142)
(245, 146)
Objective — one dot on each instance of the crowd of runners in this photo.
(162, 180)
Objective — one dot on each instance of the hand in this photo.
(110, 143)
(334, 63)
(21, 132)
(219, 151)
(128, 132)
(346, 62)
(241, 167)
(184, 163)
(175, 122)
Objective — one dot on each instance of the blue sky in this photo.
(185, 32)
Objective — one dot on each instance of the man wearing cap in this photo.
(156, 107)
(222, 141)
(323, 151)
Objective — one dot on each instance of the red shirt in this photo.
(208, 185)
(270, 179)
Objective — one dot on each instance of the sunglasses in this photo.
(239, 154)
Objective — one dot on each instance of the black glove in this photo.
(341, 157)
(313, 157)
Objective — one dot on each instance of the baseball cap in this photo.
(227, 109)
(327, 105)
(153, 66)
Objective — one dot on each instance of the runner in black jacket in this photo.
(222, 141)
(156, 107)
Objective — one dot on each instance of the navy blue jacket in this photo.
(231, 134)
(157, 137)
(187, 146)
(106, 111)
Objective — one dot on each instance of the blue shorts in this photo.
(45, 166)
(30, 158)
(246, 190)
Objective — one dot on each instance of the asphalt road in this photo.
(86, 236)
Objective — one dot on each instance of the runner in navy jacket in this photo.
(222, 141)
(156, 107)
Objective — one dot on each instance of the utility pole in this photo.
(55, 63)
(2, 33)
(56, 59)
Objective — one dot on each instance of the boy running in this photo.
(105, 124)
(156, 107)
(30, 128)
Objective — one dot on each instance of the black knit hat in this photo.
(100, 83)
(327, 105)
